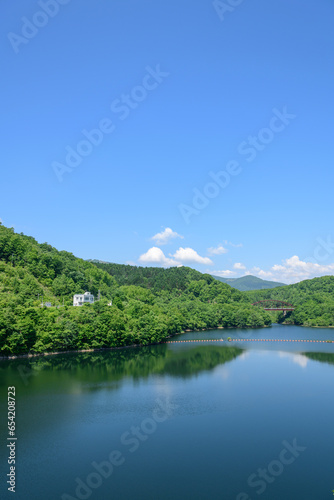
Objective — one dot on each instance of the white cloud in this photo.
(182, 256)
(257, 271)
(238, 265)
(223, 274)
(293, 270)
(187, 255)
(217, 251)
(156, 256)
(165, 236)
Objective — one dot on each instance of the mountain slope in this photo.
(153, 278)
(313, 299)
(171, 301)
(167, 302)
(249, 282)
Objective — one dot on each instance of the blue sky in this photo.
(209, 124)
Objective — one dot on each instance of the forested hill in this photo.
(249, 282)
(167, 302)
(313, 299)
(32, 274)
(156, 278)
(153, 278)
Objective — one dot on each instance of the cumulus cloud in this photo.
(223, 274)
(156, 256)
(293, 270)
(217, 251)
(182, 256)
(165, 236)
(239, 266)
(257, 271)
(187, 255)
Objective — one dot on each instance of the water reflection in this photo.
(108, 367)
(323, 357)
(232, 409)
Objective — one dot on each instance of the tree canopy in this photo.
(149, 304)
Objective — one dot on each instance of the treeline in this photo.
(149, 304)
(41, 268)
(313, 299)
(153, 278)
(31, 272)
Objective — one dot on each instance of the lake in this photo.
(235, 420)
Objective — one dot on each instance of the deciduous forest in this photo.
(148, 304)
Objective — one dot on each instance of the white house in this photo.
(80, 300)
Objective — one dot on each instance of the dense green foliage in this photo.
(149, 304)
(313, 301)
(170, 301)
(249, 282)
(154, 278)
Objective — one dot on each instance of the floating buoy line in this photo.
(246, 340)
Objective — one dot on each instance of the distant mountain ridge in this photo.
(249, 282)
(149, 304)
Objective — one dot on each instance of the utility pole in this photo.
(99, 296)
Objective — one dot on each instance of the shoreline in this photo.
(98, 349)
(131, 346)
(54, 353)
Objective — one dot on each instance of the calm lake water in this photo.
(222, 420)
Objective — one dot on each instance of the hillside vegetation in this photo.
(313, 299)
(171, 301)
(249, 282)
(149, 304)
(153, 278)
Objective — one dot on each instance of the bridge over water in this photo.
(274, 305)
